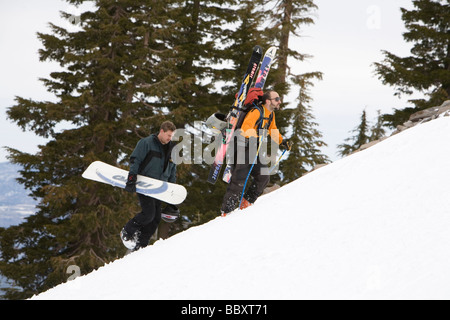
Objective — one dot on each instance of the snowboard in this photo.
(165, 191)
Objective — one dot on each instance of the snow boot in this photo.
(129, 240)
(245, 204)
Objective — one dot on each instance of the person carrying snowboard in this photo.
(151, 158)
(260, 116)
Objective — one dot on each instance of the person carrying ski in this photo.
(251, 127)
(151, 158)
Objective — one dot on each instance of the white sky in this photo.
(347, 37)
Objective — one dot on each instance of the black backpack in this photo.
(249, 107)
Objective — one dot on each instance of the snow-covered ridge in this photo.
(374, 225)
(15, 204)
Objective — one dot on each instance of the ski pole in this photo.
(273, 167)
(248, 175)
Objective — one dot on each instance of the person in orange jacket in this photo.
(250, 128)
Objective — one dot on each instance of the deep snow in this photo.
(374, 225)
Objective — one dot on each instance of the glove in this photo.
(286, 144)
(131, 183)
(253, 96)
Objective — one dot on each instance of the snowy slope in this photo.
(15, 204)
(370, 226)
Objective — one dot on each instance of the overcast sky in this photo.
(347, 37)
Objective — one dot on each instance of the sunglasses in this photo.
(277, 99)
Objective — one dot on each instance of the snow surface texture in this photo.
(374, 225)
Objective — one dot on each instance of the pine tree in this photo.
(364, 133)
(288, 17)
(233, 28)
(306, 139)
(215, 43)
(133, 64)
(117, 78)
(360, 138)
(378, 130)
(247, 34)
(427, 70)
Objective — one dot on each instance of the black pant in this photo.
(147, 221)
(239, 175)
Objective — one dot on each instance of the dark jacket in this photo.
(153, 159)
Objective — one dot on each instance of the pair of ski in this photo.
(236, 108)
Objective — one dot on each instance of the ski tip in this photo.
(258, 49)
(272, 51)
